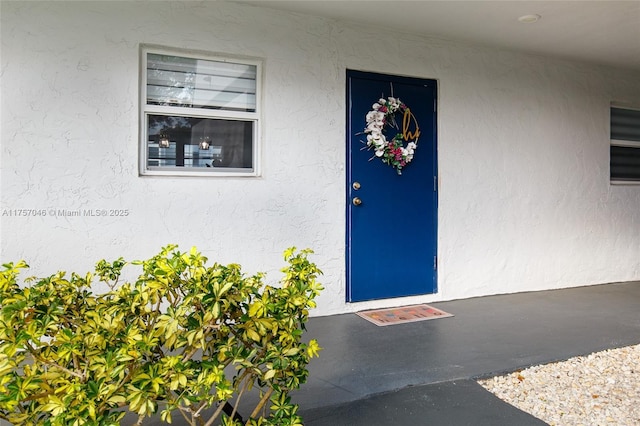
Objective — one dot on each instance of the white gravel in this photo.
(602, 388)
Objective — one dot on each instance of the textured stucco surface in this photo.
(524, 198)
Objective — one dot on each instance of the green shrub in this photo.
(164, 343)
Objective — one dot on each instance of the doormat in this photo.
(401, 315)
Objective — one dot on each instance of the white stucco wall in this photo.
(524, 199)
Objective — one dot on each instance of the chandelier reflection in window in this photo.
(163, 140)
(205, 143)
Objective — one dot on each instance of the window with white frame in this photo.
(199, 114)
(625, 145)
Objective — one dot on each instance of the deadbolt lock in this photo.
(356, 201)
(356, 185)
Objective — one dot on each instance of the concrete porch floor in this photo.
(423, 373)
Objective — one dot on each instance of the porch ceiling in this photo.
(602, 32)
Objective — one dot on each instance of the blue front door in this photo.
(391, 217)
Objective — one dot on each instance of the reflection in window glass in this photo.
(179, 81)
(200, 142)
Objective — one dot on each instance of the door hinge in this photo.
(435, 105)
(435, 183)
(435, 263)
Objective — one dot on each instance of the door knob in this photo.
(356, 201)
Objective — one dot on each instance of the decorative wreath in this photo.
(392, 152)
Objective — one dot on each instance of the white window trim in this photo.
(144, 110)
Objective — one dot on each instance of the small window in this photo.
(625, 145)
(199, 114)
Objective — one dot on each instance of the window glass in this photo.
(176, 141)
(624, 152)
(188, 82)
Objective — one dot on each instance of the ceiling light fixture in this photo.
(529, 19)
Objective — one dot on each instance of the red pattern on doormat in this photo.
(401, 315)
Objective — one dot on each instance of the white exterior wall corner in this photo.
(524, 197)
